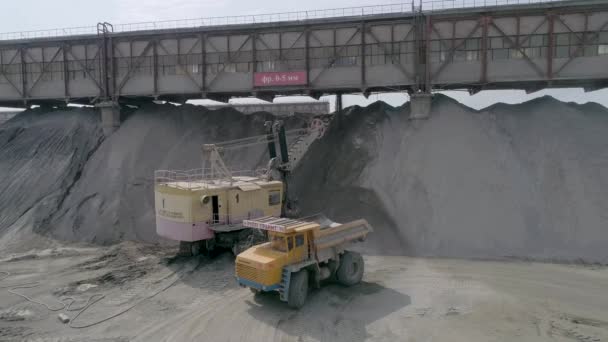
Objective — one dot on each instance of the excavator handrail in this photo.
(196, 178)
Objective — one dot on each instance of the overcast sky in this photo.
(24, 15)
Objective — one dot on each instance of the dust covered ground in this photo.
(400, 299)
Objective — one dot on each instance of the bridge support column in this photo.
(110, 116)
(339, 106)
(420, 105)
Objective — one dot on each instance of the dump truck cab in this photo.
(300, 253)
(293, 244)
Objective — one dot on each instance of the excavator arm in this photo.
(280, 164)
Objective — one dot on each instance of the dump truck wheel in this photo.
(351, 269)
(298, 289)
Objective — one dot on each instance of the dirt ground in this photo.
(159, 297)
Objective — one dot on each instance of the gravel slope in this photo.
(527, 180)
(42, 155)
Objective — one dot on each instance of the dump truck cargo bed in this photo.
(329, 237)
(341, 233)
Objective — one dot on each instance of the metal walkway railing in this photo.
(361, 11)
(199, 179)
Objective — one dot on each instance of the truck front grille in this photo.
(249, 272)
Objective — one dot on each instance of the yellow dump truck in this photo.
(301, 253)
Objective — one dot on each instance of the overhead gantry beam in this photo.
(473, 49)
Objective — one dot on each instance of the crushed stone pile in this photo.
(42, 155)
(528, 180)
(114, 199)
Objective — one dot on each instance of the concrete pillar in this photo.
(420, 105)
(338, 102)
(110, 116)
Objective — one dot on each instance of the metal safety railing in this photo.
(50, 33)
(361, 11)
(437, 5)
(198, 178)
(227, 219)
(268, 18)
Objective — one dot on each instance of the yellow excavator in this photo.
(205, 208)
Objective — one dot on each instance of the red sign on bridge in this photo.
(280, 78)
